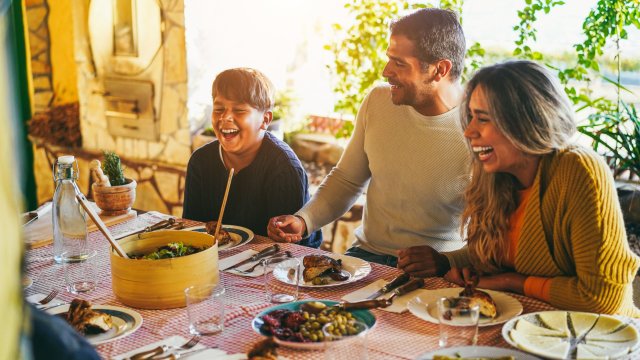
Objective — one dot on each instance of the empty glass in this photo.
(205, 308)
(281, 279)
(458, 321)
(80, 276)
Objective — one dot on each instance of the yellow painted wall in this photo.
(63, 66)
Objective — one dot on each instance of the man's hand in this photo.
(422, 261)
(286, 228)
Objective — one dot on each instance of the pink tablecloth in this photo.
(395, 336)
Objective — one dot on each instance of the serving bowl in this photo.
(160, 284)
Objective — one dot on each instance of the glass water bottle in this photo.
(69, 219)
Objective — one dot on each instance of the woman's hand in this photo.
(508, 281)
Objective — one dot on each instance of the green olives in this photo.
(336, 322)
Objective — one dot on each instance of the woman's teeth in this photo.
(484, 152)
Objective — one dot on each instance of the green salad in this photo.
(171, 250)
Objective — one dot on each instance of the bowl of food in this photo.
(161, 265)
(299, 325)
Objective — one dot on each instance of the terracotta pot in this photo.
(115, 200)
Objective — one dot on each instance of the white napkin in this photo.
(147, 219)
(33, 299)
(399, 304)
(209, 354)
(232, 260)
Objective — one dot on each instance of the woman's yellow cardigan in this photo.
(573, 232)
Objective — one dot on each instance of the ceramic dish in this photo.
(476, 352)
(364, 316)
(125, 322)
(596, 334)
(240, 235)
(357, 268)
(424, 306)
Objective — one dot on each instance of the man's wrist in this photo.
(304, 226)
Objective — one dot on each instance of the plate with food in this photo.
(230, 236)
(99, 323)
(475, 352)
(325, 270)
(572, 335)
(495, 307)
(298, 324)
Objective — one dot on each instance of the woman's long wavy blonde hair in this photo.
(528, 106)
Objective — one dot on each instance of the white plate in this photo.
(357, 269)
(477, 351)
(125, 322)
(239, 235)
(532, 317)
(424, 306)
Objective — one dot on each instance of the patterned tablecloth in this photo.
(395, 336)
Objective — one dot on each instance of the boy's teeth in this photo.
(228, 131)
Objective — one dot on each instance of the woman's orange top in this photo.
(534, 286)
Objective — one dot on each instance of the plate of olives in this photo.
(299, 324)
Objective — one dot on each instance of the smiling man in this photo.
(269, 179)
(407, 152)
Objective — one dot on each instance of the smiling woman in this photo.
(539, 210)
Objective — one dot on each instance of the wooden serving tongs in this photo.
(100, 224)
(413, 284)
(224, 204)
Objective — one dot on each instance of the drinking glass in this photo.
(80, 276)
(205, 309)
(458, 321)
(339, 346)
(281, 280)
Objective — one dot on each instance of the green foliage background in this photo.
(359, 57)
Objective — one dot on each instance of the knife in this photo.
(179, 354)
(32, 216)
(262, 254)
(397, 281)
(413, 284)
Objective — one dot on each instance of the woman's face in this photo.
(491, 147)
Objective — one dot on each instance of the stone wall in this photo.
(166, 70)
(37, 15)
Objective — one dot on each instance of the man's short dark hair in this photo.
(436, 34)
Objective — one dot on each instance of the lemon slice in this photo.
(531, 329)
(556, 320)
(627, 333)
(582, 322)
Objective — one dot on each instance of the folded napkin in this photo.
(209, 354)
(399, 304)
(141, 222)
(33, 299)
(232, 260)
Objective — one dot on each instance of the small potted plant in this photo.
(113, 193)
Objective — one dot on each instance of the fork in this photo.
(282, 257)
(47, 299)
(164, 348)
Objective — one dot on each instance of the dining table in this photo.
(394, 336)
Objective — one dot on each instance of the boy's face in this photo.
(238, 126)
